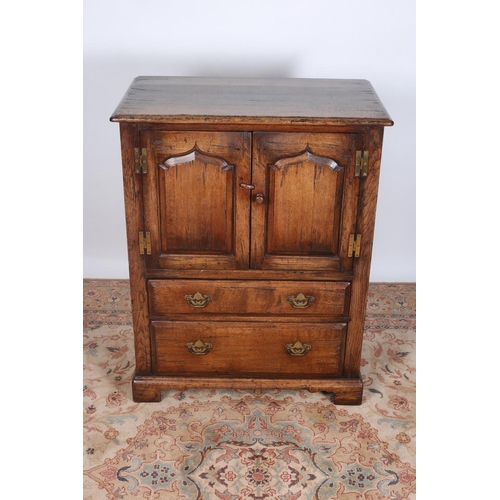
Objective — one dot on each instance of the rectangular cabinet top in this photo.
(251, 101)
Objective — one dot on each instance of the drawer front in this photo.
(279, 350)
(284, 298)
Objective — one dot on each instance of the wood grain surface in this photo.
(248, 349)
(247, 297)
(250, 200)
(251, 100)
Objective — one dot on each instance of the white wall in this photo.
(374, 40)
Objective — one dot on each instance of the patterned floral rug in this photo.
(243, 444)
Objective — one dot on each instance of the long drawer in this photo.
(280, 350)
(284, 298)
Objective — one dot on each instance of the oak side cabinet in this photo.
(250, 209)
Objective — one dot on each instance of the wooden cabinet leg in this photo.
(345, 399)
(145, 393)
(351, 394)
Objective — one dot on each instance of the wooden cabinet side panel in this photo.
(365, 227)
(132, 189)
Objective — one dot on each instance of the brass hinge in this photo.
(354, 245)
(140, 160)
(361, 167)
(144, 243)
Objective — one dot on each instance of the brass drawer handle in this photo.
(199, 348)
(198, 300)
(301, 301)
(298, 349)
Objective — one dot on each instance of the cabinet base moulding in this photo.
(344, 391)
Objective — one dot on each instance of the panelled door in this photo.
(210, 202)
(197, 214)
(305, 200)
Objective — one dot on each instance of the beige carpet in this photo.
(255, 445)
